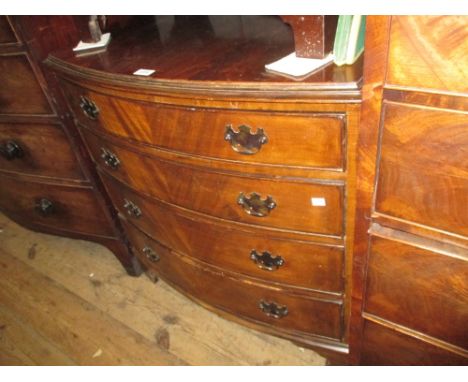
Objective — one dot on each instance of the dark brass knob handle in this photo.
(11, 150)
(132, 208)
(243, 141)
(254, 205)
(272, 309)
(45, 207)
(266, 261)
(110, 159)
(89, 108)
(150, 254)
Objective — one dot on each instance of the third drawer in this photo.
(265, 257)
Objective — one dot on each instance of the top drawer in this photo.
(268, 138)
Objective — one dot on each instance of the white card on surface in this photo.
(143, 72)
(298, 67)
(102, 43)
(318, 202)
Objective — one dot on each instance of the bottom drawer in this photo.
(230, 292)
(62, 207)
(384, 346)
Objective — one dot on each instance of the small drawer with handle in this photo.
(61, 207)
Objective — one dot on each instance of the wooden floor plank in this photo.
(154, 311)
(78, 328)
(34, 348)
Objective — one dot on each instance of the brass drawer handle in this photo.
(266, 261)
(254, 205)
(273, 310)
(89, 108)
(44, 207)
(110, 159)
(150, 254)
(243, 141)
(132, 208)
(11, 150)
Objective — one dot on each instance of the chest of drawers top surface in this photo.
(213, 54)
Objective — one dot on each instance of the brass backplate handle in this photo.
(89, 108)
(132, 208)
(273, 310)
(11, 150)
(266, 261)
(44, 206)
(256, 206)
(150, 254)
(243, 141)
(110, 159)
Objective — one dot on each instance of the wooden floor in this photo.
(69, 302)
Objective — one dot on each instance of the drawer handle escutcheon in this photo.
(11, 150)
(110, 159)
(266, 261)
(45, 207)
(89, 108)
(254, 205)
(150, 254)
(273, 310)
(243, 141)
(132, 208)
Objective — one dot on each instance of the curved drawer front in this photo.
(266, 202)
(37, 149)
(272, 138)
(61, 207)
(264, 257)
(229, 292)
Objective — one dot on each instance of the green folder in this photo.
(349, 39)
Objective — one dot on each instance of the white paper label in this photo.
(318, 202)
(144, 72)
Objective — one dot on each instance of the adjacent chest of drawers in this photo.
(45, 180)
(240, 195)
(411, 236)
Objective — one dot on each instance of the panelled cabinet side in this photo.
(375, 67)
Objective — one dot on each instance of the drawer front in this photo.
(37, 149)
(423, 170)
(272, 138)
(384, 346)
(61, 207)
(419, 289)
(228, 291)
(264, 257)
(21, 92)
(271, 203)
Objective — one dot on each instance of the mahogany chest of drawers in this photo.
(46, 179)
(237, 191)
